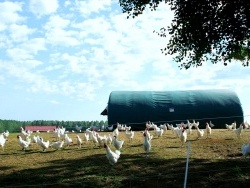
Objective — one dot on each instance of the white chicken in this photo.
(112, 156)
(182, 124)
(24, 134)
(23, 143)
(148, 135)
(130, 135)
(57, 145)
(6, 134)
(120, 127)
(211, 124)
(78, 128)
(208, 129)
(2, 141)
(101, 139)
(190, 126)
(86, 137)
(159, 132)
(245, 148)
(177, 131)
(239, 130)
(78, 141)
(109, 139)
(34, 139)
(57, 134)
(118, 143)
(110, 127)
(195, 124)
(127, 128)
(44, 145)
(229, 127)
(170, 127)
(94, 138)
(200, 132)
(149, 125)
(146, 144)
(68, 140)
(183, 136)
(164, 127)
(234, 125)
(247, 126)
(116, 132)
(89, 134)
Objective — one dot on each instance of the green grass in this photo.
(214, 162)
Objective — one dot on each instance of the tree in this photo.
(202, 30)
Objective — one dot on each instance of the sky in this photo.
(59, 60)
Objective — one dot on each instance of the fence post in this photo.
(186, 171)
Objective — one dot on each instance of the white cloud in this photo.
(2, 79)
(73, 62)
(9, 12)
(17, 54)
(67, 3)
(86, 91)
(20, 33)
(24, 53)
(62, 37)
(35, 45)
(56, 21)
(53, 67)
(59, 32)
(33, 63)
(2, 27)
(88, 7)
(43, 7)
(54, 102)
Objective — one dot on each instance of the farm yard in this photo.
(214, 161)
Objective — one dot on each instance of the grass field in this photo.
(214, 162)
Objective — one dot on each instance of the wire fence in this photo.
(183, 120)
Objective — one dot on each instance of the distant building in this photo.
(40, 128)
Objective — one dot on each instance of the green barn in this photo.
(135, 108)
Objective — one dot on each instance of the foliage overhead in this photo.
(202, 30)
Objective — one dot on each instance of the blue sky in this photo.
(59, 60)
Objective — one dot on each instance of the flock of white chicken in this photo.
(181, 131)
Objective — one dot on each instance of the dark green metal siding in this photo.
(136, 107)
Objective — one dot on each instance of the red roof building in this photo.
(40, 128)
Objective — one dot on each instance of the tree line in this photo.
(14, 125)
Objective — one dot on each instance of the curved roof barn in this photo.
(135, 108)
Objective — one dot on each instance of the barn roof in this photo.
(137, 107)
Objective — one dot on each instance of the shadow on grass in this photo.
(229, 139)
(132, 171)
